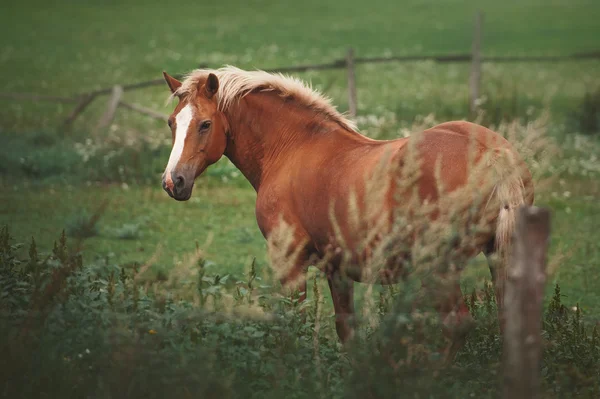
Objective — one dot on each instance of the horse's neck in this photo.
(265, 129)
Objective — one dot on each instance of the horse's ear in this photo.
(173, 83)
(212, 85)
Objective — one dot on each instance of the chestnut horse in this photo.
(315, 174)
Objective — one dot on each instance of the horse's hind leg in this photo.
(445, 296)
(342, 293)
(456, 318)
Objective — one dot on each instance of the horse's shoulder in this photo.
(274, 211)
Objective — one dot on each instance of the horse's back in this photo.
(450, 152)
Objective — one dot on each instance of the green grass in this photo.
(224, 215)
(72, 47)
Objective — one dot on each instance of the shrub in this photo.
(588, 114)
(128, 231)
(36, 156)
(79, 225)
(572, 357)
(82, 224)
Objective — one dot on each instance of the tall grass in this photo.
(98, 330)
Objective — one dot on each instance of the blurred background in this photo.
(96, 174)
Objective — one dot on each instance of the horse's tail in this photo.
(513, 190)
(511, 197)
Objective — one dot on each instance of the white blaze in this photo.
(183, 120)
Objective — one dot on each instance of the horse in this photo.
(335, 191)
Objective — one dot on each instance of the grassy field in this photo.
(224, 225)
(74, 47)
(54, 179)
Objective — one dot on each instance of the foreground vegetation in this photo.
(73, 329)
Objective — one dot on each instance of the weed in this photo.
(128, 231)
(83, 225)
(588, 114)
(79, 225)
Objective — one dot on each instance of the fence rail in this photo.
(337, 64)
(83, 100)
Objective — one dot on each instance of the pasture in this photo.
(104, 190)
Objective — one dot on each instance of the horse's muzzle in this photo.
(178, 186)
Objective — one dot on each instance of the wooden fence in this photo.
(83, 100)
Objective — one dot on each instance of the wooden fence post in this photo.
(475, 77)
(351, 83)
(111, 109)
(523, 304)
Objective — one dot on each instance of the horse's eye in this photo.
(170, 123)
(204, 126)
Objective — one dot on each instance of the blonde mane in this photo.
(235, 83)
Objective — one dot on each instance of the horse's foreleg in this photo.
(342, 293)
(295, 277)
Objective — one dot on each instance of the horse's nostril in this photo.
(179, 182)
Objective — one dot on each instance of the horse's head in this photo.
(199, 132)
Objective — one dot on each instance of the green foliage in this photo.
(71, 330)
(128, 231)
(74, 331)
(83, 224)
(588, 115)
(572, 357)
(37, 155)
(139, 163)
(79, 225)
(503, 103)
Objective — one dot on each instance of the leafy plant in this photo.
(75, 329)
(128, 231)
(588, 114)
(83, 225)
